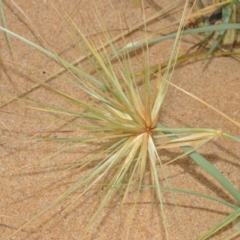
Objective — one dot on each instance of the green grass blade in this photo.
(55, 57)
(226, 12)
(185, 191)
(213, 28)
(4, 22)
(229, 219)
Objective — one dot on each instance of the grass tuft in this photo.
(118, 124)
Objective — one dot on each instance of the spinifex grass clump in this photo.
(123, 135)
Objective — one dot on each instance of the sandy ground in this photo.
(27, 184)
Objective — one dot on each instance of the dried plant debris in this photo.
(219, 12)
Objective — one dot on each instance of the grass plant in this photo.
(204, 21)
(111, 116)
